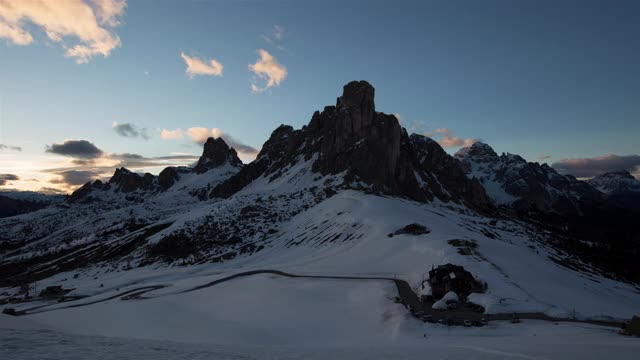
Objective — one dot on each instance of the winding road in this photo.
(405, 293)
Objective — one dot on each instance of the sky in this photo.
(89, 85)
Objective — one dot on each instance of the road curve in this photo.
(405, 293)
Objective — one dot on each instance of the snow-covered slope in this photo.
(347, 235)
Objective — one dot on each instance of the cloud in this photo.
(269, 69)
(166, 134)
(544, 157)
(5, 178)
(83, 28)
(197, 66)
(82, 149)
(72, 178)
(51, 191)
(199, 135)
(590, 167)
(277, 34)
(109, 11)
(8, 147)
(130, 130)
(135, 161)
(447, 139)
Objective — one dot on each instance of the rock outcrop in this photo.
(168, 177)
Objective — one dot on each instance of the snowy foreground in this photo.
(270, 317)
(273, 317)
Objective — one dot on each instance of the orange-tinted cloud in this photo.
(167, 134)
(269, 69)
(197, 66)
(447, 139)
(82, 28)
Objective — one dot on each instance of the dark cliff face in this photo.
(369, 147)
(446, 176)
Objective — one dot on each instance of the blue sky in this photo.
(552, 79)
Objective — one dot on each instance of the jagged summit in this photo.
(368, 149)
(216, 153)
(478, 151)
(512, 181)
(615, 182)
(127, 181)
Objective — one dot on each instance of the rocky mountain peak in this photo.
(358, 101)
(478, 152)
(127, 181)
(369, 149)
(215, 154)
(615, 182)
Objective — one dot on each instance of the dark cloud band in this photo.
(130, 130)
(82, 149)
(6, 178)
(9, 147)
(590, 167)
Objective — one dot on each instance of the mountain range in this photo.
(331, 195)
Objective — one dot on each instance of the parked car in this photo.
(427, 318)
(467, 323)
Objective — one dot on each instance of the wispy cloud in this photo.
(9, 147)
(166, 134)
(268, 69)
(544, 157)
(130, 130)
(197, 66)
(84, 28)
(447, 140)
(590, 167)
(276, 34)
(82, 149)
